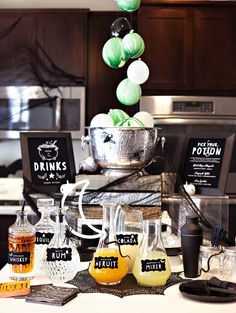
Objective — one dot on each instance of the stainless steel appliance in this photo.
(35, 108)
(182, 117)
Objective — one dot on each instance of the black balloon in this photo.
(120, 27)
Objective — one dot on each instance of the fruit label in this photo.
(106, 262)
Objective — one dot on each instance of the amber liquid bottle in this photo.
(21, 243)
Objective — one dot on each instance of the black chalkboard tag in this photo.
(106, 262)
(155, 265)
(127, 239)
(59, 254)
(42, 238)
(21, 258)
(50, 294)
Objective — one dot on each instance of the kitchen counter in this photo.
(171, 302)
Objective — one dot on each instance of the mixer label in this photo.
(59, 254)
(18, 258)
(43, 238)
(127, 239)
(153, 265)
(106, 262)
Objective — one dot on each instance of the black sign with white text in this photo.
(106, 262)
(127, 239)
(59, 254)
(43, 238)
(48, 160)
(153, 265)
(204, 161)
(21, 258)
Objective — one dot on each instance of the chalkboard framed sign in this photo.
(207, 161)
(47, 159)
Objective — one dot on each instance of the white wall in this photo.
(94, 5)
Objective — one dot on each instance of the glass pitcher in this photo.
(151, 267)
(108, 267)
(129, 233)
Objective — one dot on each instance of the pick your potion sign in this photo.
(48, 159)
(207, 164)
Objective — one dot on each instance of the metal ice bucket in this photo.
(122, 150)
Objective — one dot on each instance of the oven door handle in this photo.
(58, 113)
(194, 121)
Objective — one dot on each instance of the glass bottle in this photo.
(108, 267)
(215, 262)
(229, 264)
(129, 233)
(151, 267)
(21, 245)
(62, 256)
(44, 233)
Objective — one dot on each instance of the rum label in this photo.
(59, 254)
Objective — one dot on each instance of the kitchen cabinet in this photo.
(5, 222)
(63, 39)
(17, 35)
(167, 33)
(43, 45)
(190, 46)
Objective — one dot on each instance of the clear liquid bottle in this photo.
(44, 233)
(108, 267)
(21, 245)
(151, 267)
(62, 256)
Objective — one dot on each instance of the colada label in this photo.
(127, 239)
(106, 262)
(59, 254)
(153, 265)
(19, 258)
(43, 238)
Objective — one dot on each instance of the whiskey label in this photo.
(59, 254)
(127, 239)
(18, 258)
(43, 238)
(153, 265)
(106, 262)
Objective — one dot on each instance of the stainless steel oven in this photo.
(35, 108)
(182, 117)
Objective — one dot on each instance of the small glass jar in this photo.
(229, 264)
(215, 262)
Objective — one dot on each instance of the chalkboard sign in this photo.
(47, 159)
(207, 164)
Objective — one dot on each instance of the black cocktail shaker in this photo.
(191, 239)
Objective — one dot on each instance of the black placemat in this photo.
(128, 286)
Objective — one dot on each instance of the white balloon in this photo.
(102, 120)
(145, 118)
(138, 72)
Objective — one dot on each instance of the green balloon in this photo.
(128, 93)
(133, 45)
(113, 53)
(117, 115)
(128, 5)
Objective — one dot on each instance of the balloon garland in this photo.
(126, 44)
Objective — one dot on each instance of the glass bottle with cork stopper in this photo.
(21, 245)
